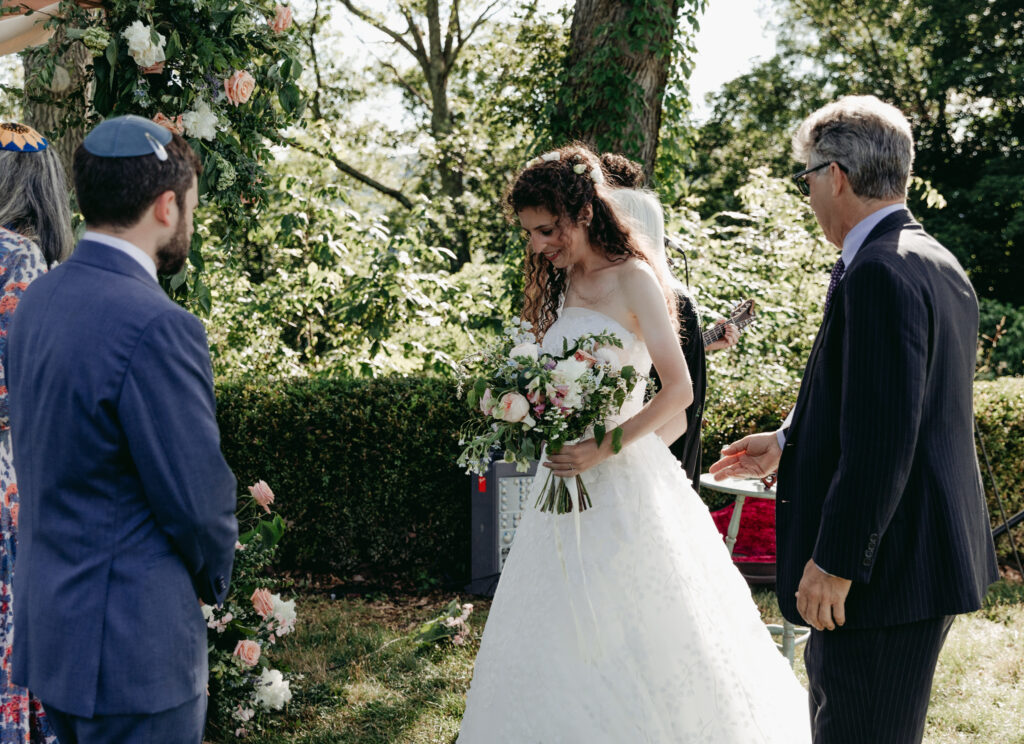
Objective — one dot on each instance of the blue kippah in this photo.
(127, 137)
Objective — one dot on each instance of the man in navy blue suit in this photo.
(127, 516)
(882, 528)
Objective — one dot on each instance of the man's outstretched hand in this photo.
(754, 456)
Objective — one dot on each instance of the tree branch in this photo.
(407, 85)
(421, 51)
(484, 16)
(366, 17)
(454, 31)
(349, 170)
(316, 61)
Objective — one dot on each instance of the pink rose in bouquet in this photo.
(512, 407)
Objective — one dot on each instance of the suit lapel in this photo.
(898, 220)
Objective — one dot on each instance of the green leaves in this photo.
(270, 532)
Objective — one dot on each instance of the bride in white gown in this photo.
(626, 622)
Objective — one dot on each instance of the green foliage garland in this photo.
(205, 43)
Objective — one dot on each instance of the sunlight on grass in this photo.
(364, 682)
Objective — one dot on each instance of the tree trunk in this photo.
(49, 118)
(616, 70)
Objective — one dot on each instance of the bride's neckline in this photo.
(603, 315)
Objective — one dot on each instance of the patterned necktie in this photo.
(833, 282)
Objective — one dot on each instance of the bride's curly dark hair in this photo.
(555, 185)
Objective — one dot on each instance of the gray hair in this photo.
(34, 200)
(870, 138)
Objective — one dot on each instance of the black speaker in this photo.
(498, 500)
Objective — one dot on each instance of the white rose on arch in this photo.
(201, 123)
(141, 47)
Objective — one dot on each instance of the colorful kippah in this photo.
(20, 138)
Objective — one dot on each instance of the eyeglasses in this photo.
(800, 179)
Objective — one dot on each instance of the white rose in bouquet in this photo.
(530, 351)
(608, 356)
(512, 407)
(141, 47)
(568, 371)
(272, 691)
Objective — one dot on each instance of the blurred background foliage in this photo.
(364, 234)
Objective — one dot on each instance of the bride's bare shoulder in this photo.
(634, 273)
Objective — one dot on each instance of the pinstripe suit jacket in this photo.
(879, 480)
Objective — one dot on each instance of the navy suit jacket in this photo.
(879, 479)
(127, 506)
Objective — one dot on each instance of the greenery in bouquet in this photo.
(526, 400)
(244, 687)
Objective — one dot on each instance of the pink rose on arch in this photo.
(153, 69)
(248, 652)
(282, 19)
(262, 494)
(174, 125)
(263, 602)
(239, 87)
(512, 407)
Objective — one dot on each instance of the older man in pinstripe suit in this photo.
(883, 533)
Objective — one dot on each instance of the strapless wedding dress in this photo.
(627, 622)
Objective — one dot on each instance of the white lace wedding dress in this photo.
(643, 630)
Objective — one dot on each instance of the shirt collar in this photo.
(855, 238)
(123, 245)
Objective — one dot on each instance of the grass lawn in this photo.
(364, 682)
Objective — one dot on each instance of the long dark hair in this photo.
(555, 185)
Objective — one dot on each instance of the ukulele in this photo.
(742, 316)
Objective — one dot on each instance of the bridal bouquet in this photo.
(525, 398)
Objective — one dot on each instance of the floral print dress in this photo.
(22, 719)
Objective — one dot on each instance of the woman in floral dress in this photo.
(35, 232)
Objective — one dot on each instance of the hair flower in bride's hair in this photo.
(549, 156)
(596, 175)
(532, 162)
(579, 168)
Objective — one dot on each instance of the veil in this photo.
(641, 211)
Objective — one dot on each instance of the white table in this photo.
(742, 489)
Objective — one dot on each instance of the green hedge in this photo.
(365, 477)
(363, 470)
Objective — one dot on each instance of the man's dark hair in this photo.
(622, 172)
(117, 191)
